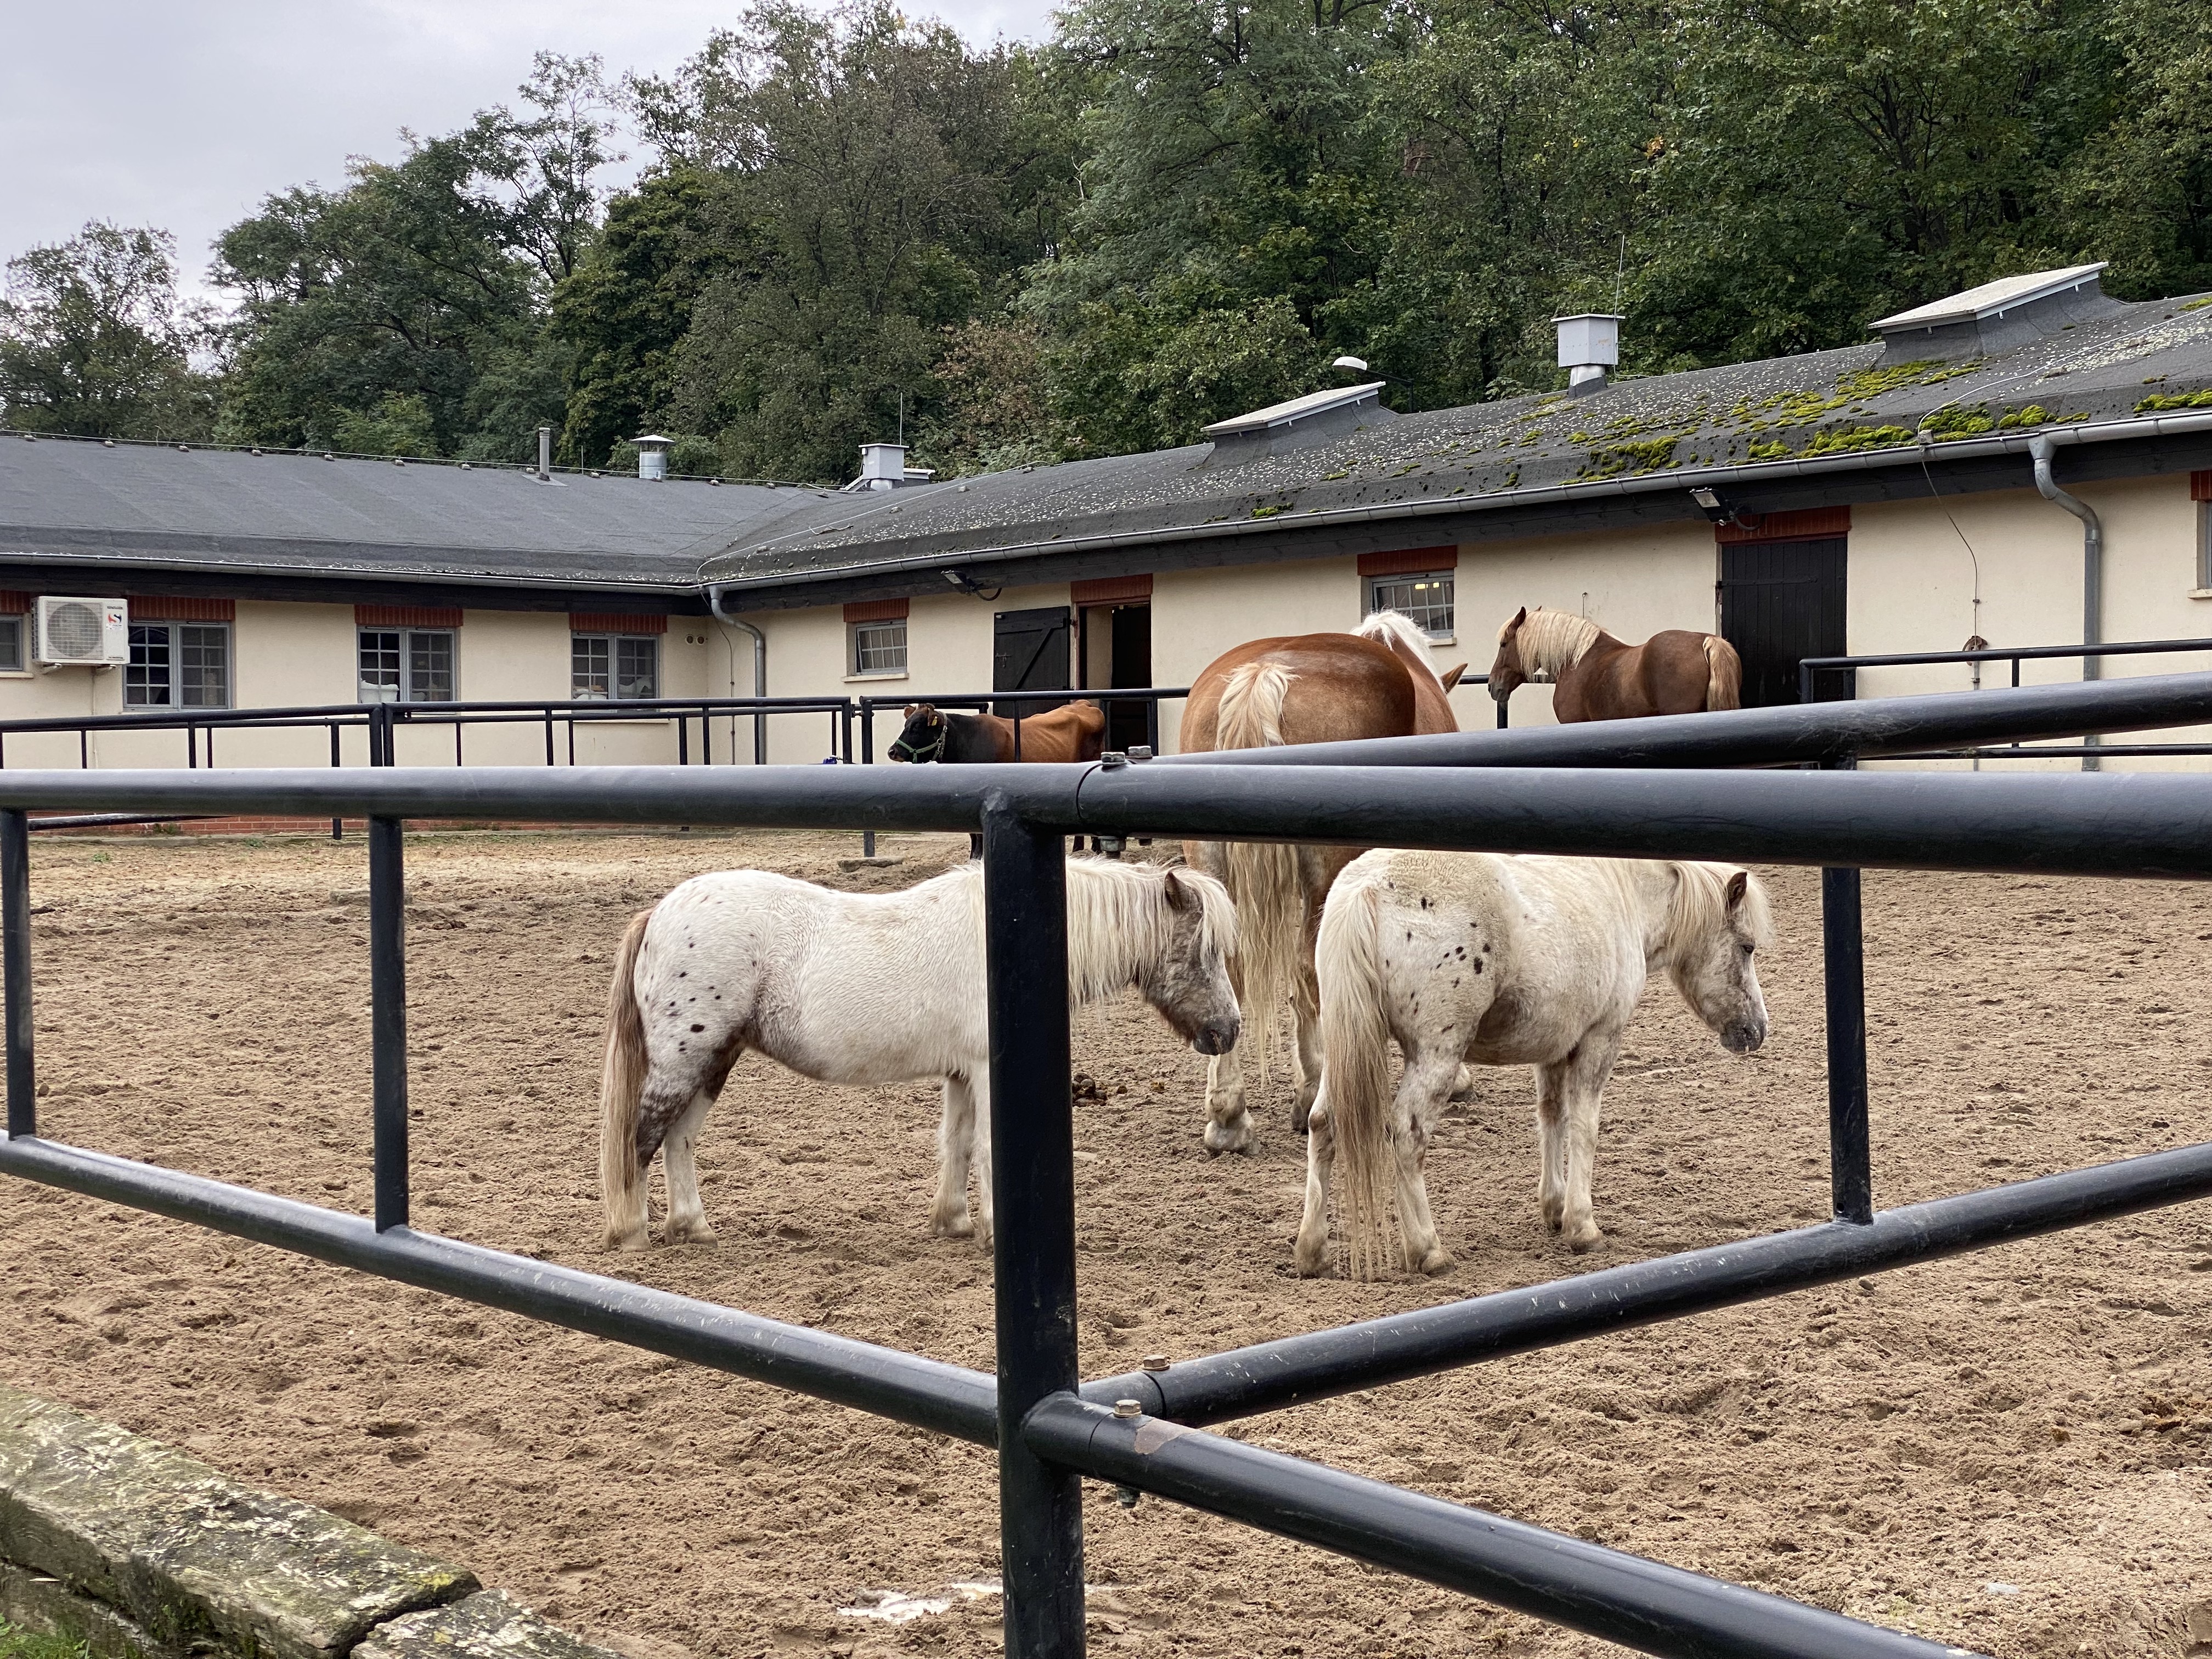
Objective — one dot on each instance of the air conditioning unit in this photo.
(94, 632)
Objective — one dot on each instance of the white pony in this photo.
(852, 988)
(1503, 961)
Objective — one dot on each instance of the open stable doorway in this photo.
(1114, 648)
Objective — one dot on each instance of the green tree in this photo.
(94, 340)
(409, 307)
(1235, 186)
(874, 187)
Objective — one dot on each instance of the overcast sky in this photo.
(184, 114)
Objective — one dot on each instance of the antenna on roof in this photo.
(1620, 271)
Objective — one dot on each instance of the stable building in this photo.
(2029, 462)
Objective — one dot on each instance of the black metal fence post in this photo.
(387, 998)
(1033, 1196)
(15, 970)
(338, 825)
(1851, 1158)
(867, 708)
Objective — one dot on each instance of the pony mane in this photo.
(1118, 916)
(1700, 906)
(1390, 627)
(1551, 640)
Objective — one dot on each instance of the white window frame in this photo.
(409, 689)
(17, 626)
(175, 646)
(615, 644)
(855, 647)
(1447, 635)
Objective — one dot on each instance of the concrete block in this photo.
(36, 1602)
(195, 1559)
(491, 1624)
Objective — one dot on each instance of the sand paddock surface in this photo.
(2009, 1451)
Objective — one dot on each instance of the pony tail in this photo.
(621, 1081)
(1723, 674)
(1355, 1043)
(1261, 877)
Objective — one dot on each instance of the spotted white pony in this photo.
(862, 988)
(1502, 961)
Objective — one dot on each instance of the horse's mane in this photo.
(1551, 640)
(1117, 916)
(1385, 626)
(1700, 905)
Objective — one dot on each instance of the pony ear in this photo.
(1519, 616)
(1180, 896)
(1738, 886)
(910, 707)
(1451, 676)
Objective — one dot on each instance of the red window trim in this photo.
(1413, 562)
(868, 610)
(605, 621)
(407, 616)
(168, 608)
(2199, 486)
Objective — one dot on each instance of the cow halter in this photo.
(922, 756)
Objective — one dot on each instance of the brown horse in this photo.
(1595, 677)
(1315, 688)
(1073, 731)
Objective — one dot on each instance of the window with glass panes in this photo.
(406, 664)
(177, 666)
(1427, 598)
(621, 665)
(11, 645)
(880, 647)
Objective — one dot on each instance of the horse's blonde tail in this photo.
(621, 1081)
(1262, 877)
(1723, 674)
(1355, 1069)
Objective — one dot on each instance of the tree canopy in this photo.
(851, 224)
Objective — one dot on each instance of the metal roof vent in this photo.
(1995, 317)
(883, 467)
(1319, 417)
(653, 455)
(1590, 345)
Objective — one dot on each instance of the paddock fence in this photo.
(1631, 788)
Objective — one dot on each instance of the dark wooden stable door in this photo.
(1030, 652)
(1781, 602)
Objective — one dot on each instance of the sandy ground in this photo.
(2008, 1451)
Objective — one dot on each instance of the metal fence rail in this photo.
(1139, 1431)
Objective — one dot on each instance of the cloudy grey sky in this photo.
(184, 113)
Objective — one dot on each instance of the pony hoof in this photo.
(1234, 1137)
(698, 1233)
(1310, 1263)
(1438, 1260)
(633, 1243)
(1582, 1243)
(1555, 1217)
(951, 1226)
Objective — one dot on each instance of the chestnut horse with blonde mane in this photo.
(1312, 688)
(1595, 677)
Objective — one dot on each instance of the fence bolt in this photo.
(1112, 760)
(1128, 1408)
(1127, 1497)
(1140, 752)
(1153, 1362)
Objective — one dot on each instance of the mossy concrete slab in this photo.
(38, 1601)
(488, 1626)
(195, 1558)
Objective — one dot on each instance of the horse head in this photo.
(924, 735)
(1188, 982)
(1507, 674)
(1717, 925)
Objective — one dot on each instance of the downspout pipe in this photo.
(2041, 449)
(760, 668)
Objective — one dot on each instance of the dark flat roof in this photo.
(159, 506)
(1516, 467)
